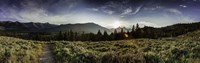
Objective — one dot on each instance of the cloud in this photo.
(94, 9)
(175, 11)
(138, 9)
(127, 11)
(39, 15)
(108, 12)
(184, 6)
(144, 23)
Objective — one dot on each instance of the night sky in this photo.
(107, 13)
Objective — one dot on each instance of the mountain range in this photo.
(177, 29)
(46, 27)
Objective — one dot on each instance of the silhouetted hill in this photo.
(34, 27)
(22, 27)
(13, 26)
(170, 31)
(84, 27)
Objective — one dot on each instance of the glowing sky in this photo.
(104, 12)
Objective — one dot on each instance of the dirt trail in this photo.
(47, 56)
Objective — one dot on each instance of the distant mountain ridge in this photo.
(119, 29)
(172, 30)
(176, 29)
(46, 27)
(80, 27)
(18, 26)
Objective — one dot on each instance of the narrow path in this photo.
(47, 56)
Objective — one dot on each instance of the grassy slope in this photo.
(194, 36)
(182, 49)
(13, 50)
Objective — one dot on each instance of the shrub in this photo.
(13, 50)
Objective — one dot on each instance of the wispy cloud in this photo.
(174, 11)
(138, 9)
(144, 23)
(108, 12)
(94, 9)
(127, 11)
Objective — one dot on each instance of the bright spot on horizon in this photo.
(116, 24)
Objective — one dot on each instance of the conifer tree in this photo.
(112, 36)
(99, 36)
(60, 36)
(76, 36)
(105, 35)
(133, 29)
(116, 35)
(82, 38)
(71, 35)
(99, 33)
(137, 31)
(132, 32)
(137, 26)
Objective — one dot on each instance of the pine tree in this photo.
(116, 35)
(71, 35)
(60, 36)
(133, 28)
(99, 36)
(137, 33)
(132, 32)
(121, 34)
(91, 37)
(137, 26)
(112, 36)
(99, 33)
(105, 35)
(65, 36)
(82, 38)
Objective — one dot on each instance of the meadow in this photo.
(13, 50)
(181, 49)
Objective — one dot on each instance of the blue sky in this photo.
(155, 13)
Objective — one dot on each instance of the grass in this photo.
(152, 51)
(13, 50)
(182, 49)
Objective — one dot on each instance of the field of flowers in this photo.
(13, 50)
(182, 49)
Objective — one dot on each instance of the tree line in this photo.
(134, 33)
(73, 36)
